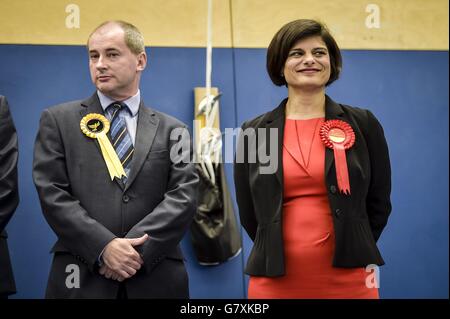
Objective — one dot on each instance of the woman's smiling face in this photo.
(308, 64)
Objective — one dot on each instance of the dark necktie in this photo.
(120, 137)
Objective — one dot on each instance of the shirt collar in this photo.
(132, 102)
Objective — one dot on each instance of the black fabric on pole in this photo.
(214, 232)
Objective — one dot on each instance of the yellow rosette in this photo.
(96, 126)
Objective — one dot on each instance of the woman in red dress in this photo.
(316, 218)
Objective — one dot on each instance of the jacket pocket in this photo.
(59, 248)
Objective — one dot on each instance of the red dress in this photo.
(308, 231)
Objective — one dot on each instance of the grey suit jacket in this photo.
(9, 194)
(87, 210)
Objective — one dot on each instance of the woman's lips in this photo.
(309, 71)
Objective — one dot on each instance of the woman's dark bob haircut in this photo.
(288, 36)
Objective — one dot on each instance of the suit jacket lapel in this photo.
(332, 111)
(276, 120)
(92, 105)
(145, 134)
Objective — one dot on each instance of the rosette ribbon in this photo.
(339, 136)
(96, 126)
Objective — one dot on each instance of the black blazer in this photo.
(9, 194)
(358, 218)
(87, 210)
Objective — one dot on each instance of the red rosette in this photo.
(339, 136)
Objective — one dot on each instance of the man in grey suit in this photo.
(118, 226)
(9, 194)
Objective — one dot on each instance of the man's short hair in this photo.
(133, 37)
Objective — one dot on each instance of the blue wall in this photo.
(407, 91)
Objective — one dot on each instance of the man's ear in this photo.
(142, 61)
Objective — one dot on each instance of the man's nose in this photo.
(100, 64)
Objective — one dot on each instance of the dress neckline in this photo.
(311, 119)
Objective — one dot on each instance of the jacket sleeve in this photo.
(378, 200)
(9, 193)
(168, 222)
(242, 186)
(82, 235)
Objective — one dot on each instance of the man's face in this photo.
(115, 70)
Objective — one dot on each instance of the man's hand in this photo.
(110, 274)
(122, 261)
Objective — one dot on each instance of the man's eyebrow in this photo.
(107, 50)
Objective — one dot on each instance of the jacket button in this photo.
(337, 212)
(125, 198)
(333, 189)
